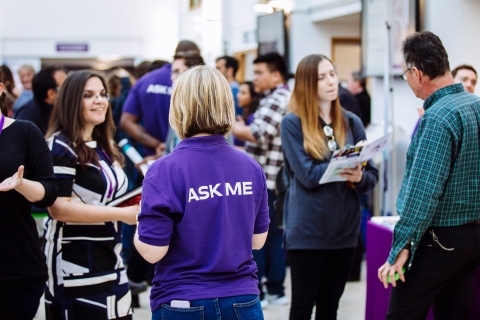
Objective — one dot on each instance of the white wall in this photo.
(315, 22)
(457, 24)
(239, 24)
(140, 29)
(241, 19)
(209, 38)
(307, 37)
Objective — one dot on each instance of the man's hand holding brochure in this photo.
(349, 158)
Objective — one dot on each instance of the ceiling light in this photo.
(263, 8)
(278, 4)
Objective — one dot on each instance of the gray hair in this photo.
(357, 76)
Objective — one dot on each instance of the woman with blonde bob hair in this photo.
(200, 216)
(322, 222)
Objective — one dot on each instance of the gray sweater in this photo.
(318, 216)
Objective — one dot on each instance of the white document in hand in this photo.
(348, 158)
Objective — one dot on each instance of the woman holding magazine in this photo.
(322, 222)
(87, 278)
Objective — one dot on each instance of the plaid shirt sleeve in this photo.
(429, 161)
(267, 120)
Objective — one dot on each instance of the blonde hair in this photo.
(202, 102)
(304, 104)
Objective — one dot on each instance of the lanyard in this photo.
(105, 173)
(2, 121)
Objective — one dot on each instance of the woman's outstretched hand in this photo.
(14, 181)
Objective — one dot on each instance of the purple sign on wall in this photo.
(72, 47)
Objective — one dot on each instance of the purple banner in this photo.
(72, 47)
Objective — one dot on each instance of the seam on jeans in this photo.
(217, 309)
(246, 304)
(237, 306)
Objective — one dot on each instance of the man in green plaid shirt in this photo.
(437, 238)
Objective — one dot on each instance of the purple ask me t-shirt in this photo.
(149, 99)
(205, 200)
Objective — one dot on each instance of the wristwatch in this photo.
(408, 246)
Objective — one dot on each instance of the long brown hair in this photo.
(67, 118)
(304, 104)
(3, 96)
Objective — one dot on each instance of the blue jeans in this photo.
(230, 308)
(271, 258)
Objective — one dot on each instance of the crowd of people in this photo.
(213, 234)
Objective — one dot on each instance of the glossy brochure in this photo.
(348, 158)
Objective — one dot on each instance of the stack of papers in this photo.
(388, 222)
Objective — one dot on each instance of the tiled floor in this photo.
(352, 304)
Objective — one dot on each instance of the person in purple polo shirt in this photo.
(149, 100)
(201, 216)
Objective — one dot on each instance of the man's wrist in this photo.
(407, 246)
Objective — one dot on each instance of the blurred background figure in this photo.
(142, 69)
(263, 144)
(149, 100)
(45, 85)
(119, 82)
(228, 66)
(466, 75)
(348, 101)
(157, 64)
(357, 86)
(181, 63)
(248, 101)
(26, 73)
(8, 88)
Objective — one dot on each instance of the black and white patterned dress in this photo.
(87, 278)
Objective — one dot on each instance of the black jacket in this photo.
(38, 112)
(348, 101)
(364, 100)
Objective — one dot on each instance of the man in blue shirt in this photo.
(228, 66)
(149, 99)
(26, 73)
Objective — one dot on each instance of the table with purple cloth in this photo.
(379, 241)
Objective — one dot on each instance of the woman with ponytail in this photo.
(322, 222)
(26, 178)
